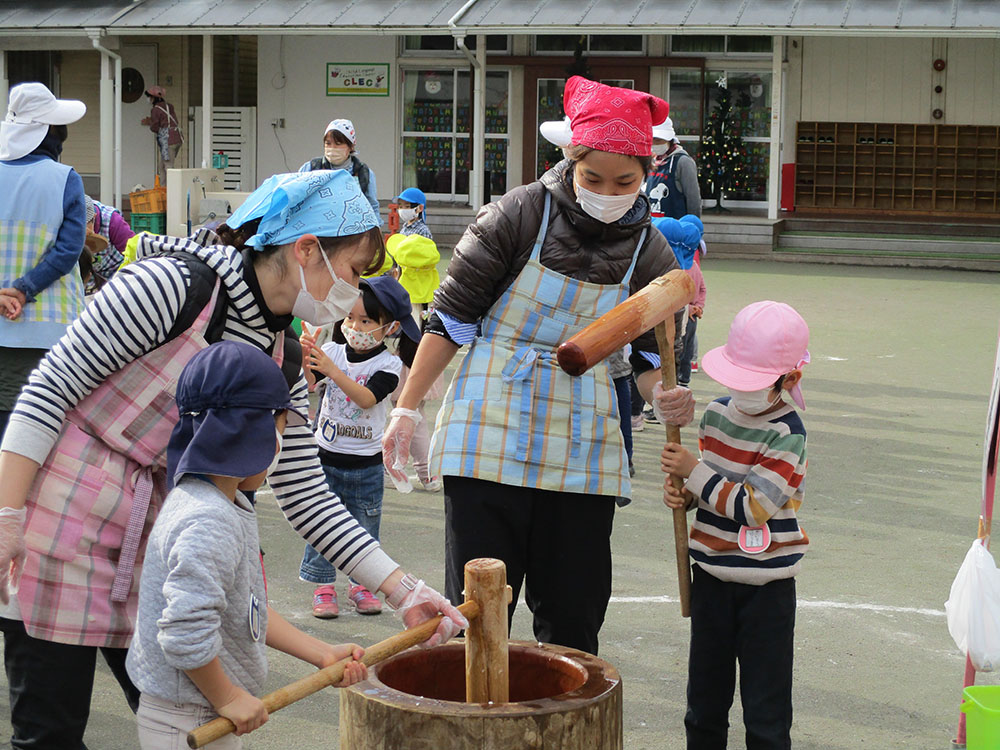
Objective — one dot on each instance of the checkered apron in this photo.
(512, 415)
(94, 500)
(24, 244)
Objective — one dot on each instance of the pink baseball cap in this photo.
(766, 340)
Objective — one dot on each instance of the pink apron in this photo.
(94, 500)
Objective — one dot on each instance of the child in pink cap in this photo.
(746, 542)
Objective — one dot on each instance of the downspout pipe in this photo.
(115, 162)
(478, 63)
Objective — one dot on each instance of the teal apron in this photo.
(511, 415)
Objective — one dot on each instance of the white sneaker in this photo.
(638, 423)
(434, 484)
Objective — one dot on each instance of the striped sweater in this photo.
(131, 316)
(752, 472)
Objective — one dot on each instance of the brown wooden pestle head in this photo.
(652, 304)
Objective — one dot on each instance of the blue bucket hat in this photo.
(227, 396)
(682, 237)
(414, 195)
(326, 203)
(394, 298)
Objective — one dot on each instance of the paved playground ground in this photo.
(901, 366)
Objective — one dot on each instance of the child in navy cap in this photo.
(359, 373)
(203, 619)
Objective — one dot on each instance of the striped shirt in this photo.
(751, 473)
(131, 316)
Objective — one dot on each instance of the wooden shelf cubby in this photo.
(859, 167)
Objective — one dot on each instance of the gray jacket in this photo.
(496, 247)
(200, 578)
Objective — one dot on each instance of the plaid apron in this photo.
(512, 415)
(94, 500)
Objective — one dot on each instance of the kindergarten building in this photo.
(885, 113)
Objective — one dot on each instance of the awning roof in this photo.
(981, 17)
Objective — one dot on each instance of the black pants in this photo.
(557, 543)
(50, 688)
(754, 625)
(623, 390)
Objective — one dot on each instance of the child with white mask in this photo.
(746, 541)
(340, 143)
(359, 374)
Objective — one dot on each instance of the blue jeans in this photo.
(360, 489)
(688, 353)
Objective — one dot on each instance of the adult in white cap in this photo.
(101, 405)
(340, 144)
(163, 122)
(42, 217)
(672, 184)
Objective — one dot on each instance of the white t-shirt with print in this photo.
(344, 427)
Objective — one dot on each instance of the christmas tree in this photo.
(722, 157)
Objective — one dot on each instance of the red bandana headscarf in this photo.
(608, 118)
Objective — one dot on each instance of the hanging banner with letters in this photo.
(357, 79)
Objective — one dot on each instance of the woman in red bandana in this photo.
(533, 459)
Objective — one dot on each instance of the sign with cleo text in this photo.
(357, 79)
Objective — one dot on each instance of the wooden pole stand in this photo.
(486, 656)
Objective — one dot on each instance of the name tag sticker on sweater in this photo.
(754, 539)
(254, 618)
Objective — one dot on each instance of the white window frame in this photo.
(730, 65)
(727, 55)
(608, 53)
(452, 197)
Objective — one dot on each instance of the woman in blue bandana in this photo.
(102, 400)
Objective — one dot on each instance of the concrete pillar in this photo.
(478, 176)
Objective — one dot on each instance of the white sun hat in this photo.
(557, 132)
(31, 108)
(665, 131)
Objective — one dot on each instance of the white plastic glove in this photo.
(675, 406)
(11, 550)
(422, 604)
(396, 446)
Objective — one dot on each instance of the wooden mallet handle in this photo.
(668, 377)
(285, 696)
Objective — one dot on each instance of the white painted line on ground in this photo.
(809, 603)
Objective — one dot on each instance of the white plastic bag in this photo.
(973, 608)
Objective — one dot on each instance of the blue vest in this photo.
(31, 214)
(661, 189)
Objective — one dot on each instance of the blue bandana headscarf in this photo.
(327, 203)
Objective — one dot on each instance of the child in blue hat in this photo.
(203, 620)
(359, 373)
(412, 209)
(684, 237)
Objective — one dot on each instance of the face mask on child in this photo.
(406, 215)
(754, 402)
(606, 208)
(362, 341)
(277, 454)
(659, 149)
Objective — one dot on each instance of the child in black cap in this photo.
(360, 373)
(203, 619)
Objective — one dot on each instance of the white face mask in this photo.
(606, 208)
(660, 148)
(407, 215)
(754, 402)
(338, 303)
(277, 454)
(336, 155)
(361, 341)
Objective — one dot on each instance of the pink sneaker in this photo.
(325, 605)
(365, 602)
